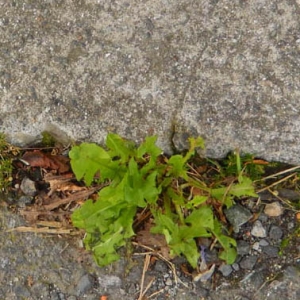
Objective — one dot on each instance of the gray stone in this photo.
(263, 218)
(275, 233)
(237, 215)
(28, 187)
(235, 266)
(169, 281)
(243, 248)
(248, 262)
(108, 281)
(256, 246)
(225, 70)
(258, 230)
(21, 290)
(290, 195)
(263, 243)
(270, 250)
(24, 200)
(161, 266)
(226, 270)
(84, 284)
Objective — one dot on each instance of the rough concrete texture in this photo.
(226, 70)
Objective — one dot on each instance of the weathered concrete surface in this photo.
(226, 70)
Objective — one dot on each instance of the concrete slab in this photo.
(225, 70)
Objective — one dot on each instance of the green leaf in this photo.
(229, 244)
(178, 166)
(108, 225)
(179, 238)
(194, 143)
(229, 255)
(201, 220)
(188, 248)
(196, 201)
(223, 195)
(149, 150)
(201, 217)
(163, 222)
(178, 162)
(149, 147)
(95, 216)
(226, 194)
(138, 189)
(120, 147)
(105, 251)
(243, 188)
(87, 160)
(177, 197)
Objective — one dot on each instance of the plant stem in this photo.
(180, 214)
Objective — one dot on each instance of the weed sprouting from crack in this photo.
(182, 206)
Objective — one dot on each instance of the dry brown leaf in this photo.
(197, 192)
(157, 241)
(61, 183)
(37, 158)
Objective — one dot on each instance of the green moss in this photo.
(48, 140)
(5, 164)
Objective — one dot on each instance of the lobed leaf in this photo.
(139, 190)
(119, 147)
(87, 160)
(229, 244)
(177, 165)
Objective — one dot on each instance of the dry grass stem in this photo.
(145, 268)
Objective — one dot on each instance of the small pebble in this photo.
(275, 233)
(243, 247)
(248, 262)
(160, 266)
(226, 270)
(108, 281)
(289, 194)
(237, 215)
(291, 225)
(24, 200)
(263, 218)
(169, 282)
(256, 246)
(235, 266)
(263, 243)
(271, 251)
(84, 284)
(273, 209)
(28, 187)
(258, 230)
